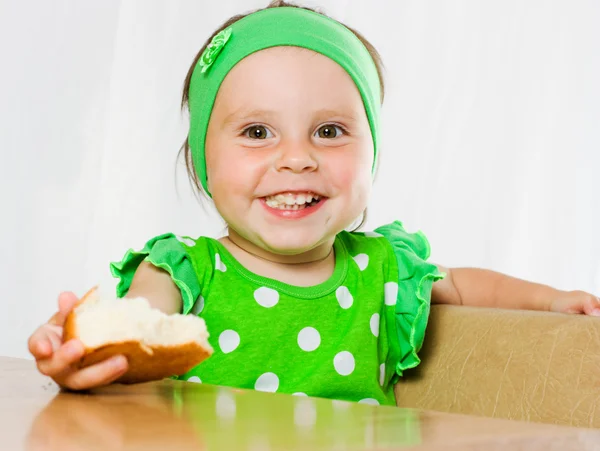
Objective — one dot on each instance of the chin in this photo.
(291, 243)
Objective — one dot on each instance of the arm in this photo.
(484, 288)
(157, 286)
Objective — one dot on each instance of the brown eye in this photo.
(329, 131)
(257, 132)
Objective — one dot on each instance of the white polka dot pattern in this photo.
(229, 340)
(391, 293)
(219, 265)
(198, 306)
(268, 382)
(329, 333)
(362, 260)
(344, 297)
(187, 241)
(374, 324)
(343, 363)
(309, 339)
(266, 297)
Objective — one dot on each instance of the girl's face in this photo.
(289, 127)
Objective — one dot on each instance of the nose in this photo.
(296, 157)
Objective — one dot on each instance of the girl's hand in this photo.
(576, 302)
(57, 359)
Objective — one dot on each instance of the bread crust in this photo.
(146, 363)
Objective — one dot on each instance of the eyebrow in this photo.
(348, 117)
(242, 115)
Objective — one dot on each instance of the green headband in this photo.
(272, 27)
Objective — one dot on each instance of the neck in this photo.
(315, 255)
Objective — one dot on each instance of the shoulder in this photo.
(192, 243)
(201, 251)
(392, 235)
(403, 241)
(168, 251)
(182, 257)
(407, 251)
(364, 242)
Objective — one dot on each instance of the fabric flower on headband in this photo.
(213, 49)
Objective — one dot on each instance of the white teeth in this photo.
(290, 201)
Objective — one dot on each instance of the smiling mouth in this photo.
(293, 201)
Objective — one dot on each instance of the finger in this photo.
(66, 302)
(42, 342)
(39, 347)
(96, 375)
(56, 338)
(62, 358)
(573, 309)
(591, 306)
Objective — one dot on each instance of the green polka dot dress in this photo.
(349, 338)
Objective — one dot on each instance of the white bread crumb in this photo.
(105, 321)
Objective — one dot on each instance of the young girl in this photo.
(284, 131)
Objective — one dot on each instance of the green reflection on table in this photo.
(226, 418)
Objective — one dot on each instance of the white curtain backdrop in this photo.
(491, 140)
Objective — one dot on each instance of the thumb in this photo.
(66, 302)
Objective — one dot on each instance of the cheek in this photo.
(360, 191)
(351, 171)
(231, 171)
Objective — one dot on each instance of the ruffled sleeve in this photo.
(415, 278)
(168, 252)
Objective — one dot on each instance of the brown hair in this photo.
(185, 148)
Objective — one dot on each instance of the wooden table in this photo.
(172, 415)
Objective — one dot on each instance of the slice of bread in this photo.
(155, 344)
